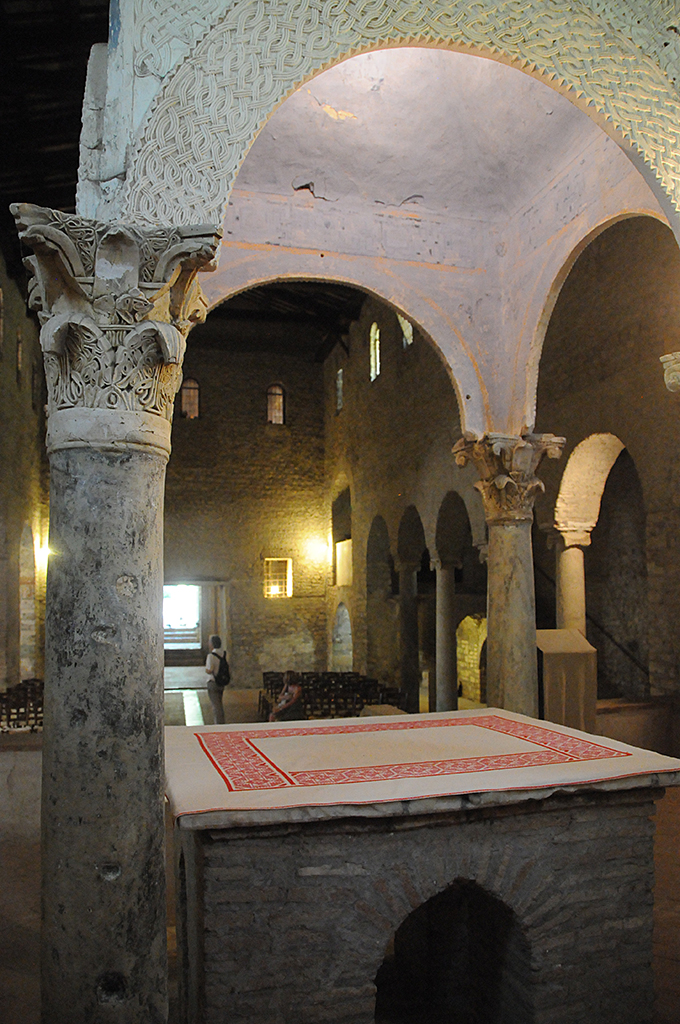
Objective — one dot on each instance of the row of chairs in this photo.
(329, 694)
(21, 706)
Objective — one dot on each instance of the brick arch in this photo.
(184, 166)
(522, 882)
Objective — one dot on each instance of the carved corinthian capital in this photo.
(115, 303)
(671, 370)
(507, 467)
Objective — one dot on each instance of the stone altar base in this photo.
(498, 906)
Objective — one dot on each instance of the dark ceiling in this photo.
(297, 317)
(44, 49)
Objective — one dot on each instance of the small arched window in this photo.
(276, 397)
(188, 398)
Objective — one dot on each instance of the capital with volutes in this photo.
(507, 468)
(115, 304)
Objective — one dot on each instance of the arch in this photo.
(183, 169)
(578, 501)
(462, 954)
(27, 596)
(382, 647)
(546, 292)
(411, 538)
(386, 281)
(452, 532)
(342, 649)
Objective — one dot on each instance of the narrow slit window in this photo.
(278, 577)
(189, 399)
(276, 412)
(406, 330)
(339, 397)
(374, 351)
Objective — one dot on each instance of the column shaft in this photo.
(571, 588)
(103, 953)
(512, 680)
(447, 674)
(408, 632)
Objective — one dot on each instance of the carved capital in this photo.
(671, 370)
(507, 468)
(115, 305)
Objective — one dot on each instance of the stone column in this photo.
(570, 581)
(115, 304)
(409, 647)
(447, 674)
(508, 486)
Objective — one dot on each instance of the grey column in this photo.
(512, 680)
(508, 486)
(570, 579)
(446, 665)
(408, 635)
(103, 953)
(115, 305)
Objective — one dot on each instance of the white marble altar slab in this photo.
(219, 770)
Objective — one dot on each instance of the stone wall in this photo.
(23, 488)
(240, 490)
(618, 311)
(295, 921)
(391, 443)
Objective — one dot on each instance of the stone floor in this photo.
(20, 760)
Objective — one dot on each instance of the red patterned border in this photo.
(243, 766)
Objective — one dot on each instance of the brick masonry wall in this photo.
(23, 484)
(470, 637)
(618, 311)
(240, 490)
(296, 921)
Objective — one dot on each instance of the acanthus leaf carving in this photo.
(115, 303)
(507, 467)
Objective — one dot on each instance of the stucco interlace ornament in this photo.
(507, 467)
(115, 305)
(224, 84)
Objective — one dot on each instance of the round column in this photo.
(446, 663)
(570, 582)
(508, 486)
(409, 647)
(104, 949)
(115, 304)
(512, 680)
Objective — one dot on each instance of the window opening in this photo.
(338, 390)
(275, 404)
(374, 348)
(406, 330)
(189, 399)
(182, 617)
(278, 577)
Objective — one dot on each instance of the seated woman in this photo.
(289, 707)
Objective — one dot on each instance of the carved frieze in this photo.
(115, 303)
(507, 468)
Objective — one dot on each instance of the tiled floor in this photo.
(20, 759)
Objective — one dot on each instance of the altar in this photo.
(355, 870)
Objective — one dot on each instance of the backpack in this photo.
(223, 675)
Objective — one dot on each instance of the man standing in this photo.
(218, 676)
